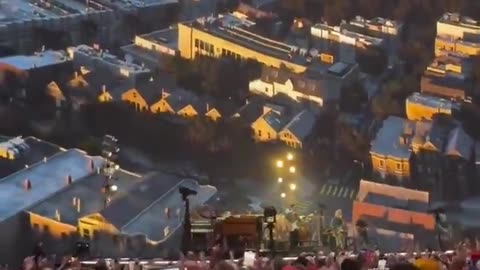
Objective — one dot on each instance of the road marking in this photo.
(352, 194)
(340, 192)
(323, 189)
(329, 189)
(334, 193)
(345, 194)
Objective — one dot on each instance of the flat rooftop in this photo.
(37, 60)
(457, 19)
(135, 4)
(21, 10)
(433, 102)
(46, 179)
(105, 57)
(167, 37)
(89, 192)
(38, 150)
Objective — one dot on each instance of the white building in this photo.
(322, 91)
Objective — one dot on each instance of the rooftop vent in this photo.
(69, 179)
(27, 185)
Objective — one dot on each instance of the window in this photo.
(268, 135)
(224, 52)
(212, 49)
(134, 95)
(259, 133)
(36, 227)
(202, 45)
(153, 47)
(197, 43)
(398, 166)
(86, 233)
(382, 163)
(45, 228)
(63, 235)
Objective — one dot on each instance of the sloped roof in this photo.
(89, 191)
(459, 144)
(180, 98)
(123, 210)
(438, 134)
(251, 111)
(387, 142)
(275, 120)
(301, 125)
(53, 90)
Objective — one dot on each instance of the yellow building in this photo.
(424, 107)
(104, 96)
(390, 150)
(181, 102)
(449, 43)
(266, 127)
(143, 95)
(298, 130)
(459, 27)
(213, 39)
(213, 114)
(72, 210)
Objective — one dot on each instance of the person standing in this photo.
(292, 217)
(338, 230)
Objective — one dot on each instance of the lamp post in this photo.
(187, 225)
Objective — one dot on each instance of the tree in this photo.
(372, 61)
(387, 102)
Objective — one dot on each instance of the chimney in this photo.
(44, 159)
(104, 88)
(57, 215)
(208, 107)
(78, 205)
(69, 179)
(74, 201)
(27, 184)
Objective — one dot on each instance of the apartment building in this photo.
(423, 107)
(94, 58)
(448, 76)
(378, 26)
(458, 33)
(227, 35)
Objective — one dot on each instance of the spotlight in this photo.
(292, 169)
(280, 180)
(293, 186)
(280, 163)
(290, 156)
(283, 195)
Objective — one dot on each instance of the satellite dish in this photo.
(313, 52)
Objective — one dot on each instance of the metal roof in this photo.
(37, 60)
(46, 179)
(387, 140)
(89, 192)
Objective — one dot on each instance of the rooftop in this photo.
(136, 4)
(433, 102)
(167, 37)
(235, 30)
(22, 10)
(378, 21)
(344, 31)
(37, 150)
(89, 192)
(387, 140)
(106, 58)
(46, 178)
(457, 19)
(37, 60)
(302, 124)
(149, 221)
(460, 144)
(275, 120)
